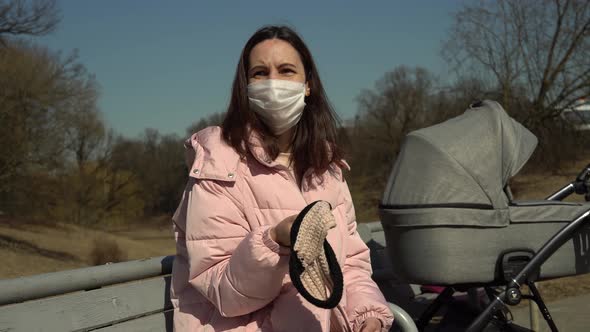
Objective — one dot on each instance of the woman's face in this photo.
(275, 59)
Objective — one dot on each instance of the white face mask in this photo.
(279, 103)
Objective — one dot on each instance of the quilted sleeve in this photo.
(364, 299)
(239, 269)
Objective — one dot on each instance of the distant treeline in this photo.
(60, 163)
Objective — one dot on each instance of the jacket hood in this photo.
(208, 156)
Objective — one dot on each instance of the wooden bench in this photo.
(129, 296)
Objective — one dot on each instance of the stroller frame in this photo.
(512, 295)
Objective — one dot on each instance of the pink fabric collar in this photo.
(209, 156)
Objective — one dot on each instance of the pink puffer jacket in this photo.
(229, 275)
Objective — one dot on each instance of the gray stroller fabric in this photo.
(446, 216)
(545, 211)
(463, 164)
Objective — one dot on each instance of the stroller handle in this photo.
(562, 193)
(486, 316)
(522, 277)
(580, 186)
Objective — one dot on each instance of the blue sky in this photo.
(166, 64)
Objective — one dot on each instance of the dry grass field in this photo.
(28, 249)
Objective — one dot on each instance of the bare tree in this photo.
(403, 100)
(535, 51)
(398, 104)
(39, 90)
(85, 133)
(33, 18)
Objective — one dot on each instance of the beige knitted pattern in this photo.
(310, 250)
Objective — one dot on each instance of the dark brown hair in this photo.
(314, 143)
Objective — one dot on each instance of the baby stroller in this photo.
(449, 217)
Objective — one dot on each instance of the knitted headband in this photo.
(313, 267)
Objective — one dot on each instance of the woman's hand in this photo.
(281, 232)
(371, 324)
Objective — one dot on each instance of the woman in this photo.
(275, 153)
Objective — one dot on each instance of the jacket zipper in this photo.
(290, 175)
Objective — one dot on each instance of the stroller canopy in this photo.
(464, 162)
(446, 217)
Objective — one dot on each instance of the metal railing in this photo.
(56, 283)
